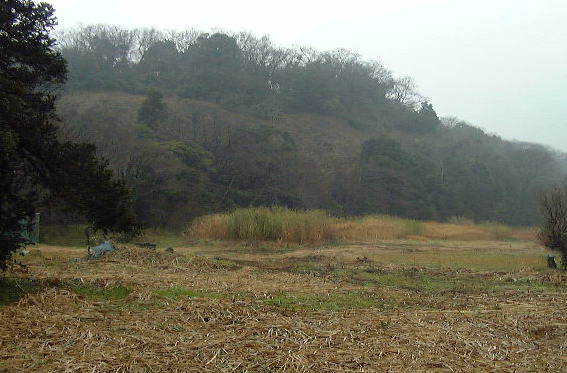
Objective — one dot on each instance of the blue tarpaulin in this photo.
(101, 249)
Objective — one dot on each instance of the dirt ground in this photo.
(389, 306)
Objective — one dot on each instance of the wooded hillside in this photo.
(199, 123)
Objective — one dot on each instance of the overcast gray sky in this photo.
(498, 64)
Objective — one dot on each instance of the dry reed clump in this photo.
(210, 226)
(383, 227)
(267, 224)
(458, 232)
(377, 227)
(487, 231)
(315, 226)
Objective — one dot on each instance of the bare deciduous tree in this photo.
(404, 91)
(553, 232)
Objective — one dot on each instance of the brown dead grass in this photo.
(483, 232)
(374, 228)
(366, 229)
(232, 325)
(73, 334)
(165, 260)
(210, 226)
(390, 228)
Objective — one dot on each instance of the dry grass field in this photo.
(370, 306)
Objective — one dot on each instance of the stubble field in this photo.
(384, 306)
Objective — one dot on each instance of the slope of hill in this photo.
(200, 123)
(202, 157)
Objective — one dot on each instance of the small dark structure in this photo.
(551, 262)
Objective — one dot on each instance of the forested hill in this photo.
(199, 123)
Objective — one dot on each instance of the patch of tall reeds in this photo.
(315, 226)
(377, 227)
(267, 224)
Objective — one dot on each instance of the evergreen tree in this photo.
(153, 109)
(427, 118)
(34, 163)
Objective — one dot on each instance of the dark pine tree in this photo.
(153, 109)
(34, 163)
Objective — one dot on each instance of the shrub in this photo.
(553, 232)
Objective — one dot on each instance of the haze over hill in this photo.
(204, 122)
(498, 65)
